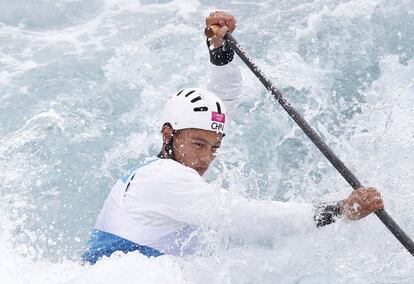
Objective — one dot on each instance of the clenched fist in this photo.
(227, 23)
(361, 202)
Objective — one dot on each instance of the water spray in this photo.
(312, 134)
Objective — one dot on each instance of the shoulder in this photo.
(166, 180)
(168, 165)
(167, 171)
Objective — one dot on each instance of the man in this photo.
(164, 206)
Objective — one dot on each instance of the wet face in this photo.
(196, 148)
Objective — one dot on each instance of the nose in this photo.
(208, 155)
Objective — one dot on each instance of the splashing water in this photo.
(81, 86)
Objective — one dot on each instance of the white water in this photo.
(81, 84)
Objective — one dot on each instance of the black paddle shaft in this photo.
(317, 140)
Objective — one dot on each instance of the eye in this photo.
(198, 145)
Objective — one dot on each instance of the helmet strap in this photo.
(169, 148)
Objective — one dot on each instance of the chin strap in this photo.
(169, 148)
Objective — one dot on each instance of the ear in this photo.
(167, 133)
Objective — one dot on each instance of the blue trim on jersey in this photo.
(104, 244)
(125, 177)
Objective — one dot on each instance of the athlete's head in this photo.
(193, 124)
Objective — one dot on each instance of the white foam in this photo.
(140, 69)
(384, 131)
(343, 11)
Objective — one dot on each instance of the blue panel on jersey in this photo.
(104, 244)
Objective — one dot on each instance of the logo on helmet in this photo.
(217, 126)
(218, 117)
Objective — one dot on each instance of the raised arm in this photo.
(224, 78)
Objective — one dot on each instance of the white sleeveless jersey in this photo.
(164, 204)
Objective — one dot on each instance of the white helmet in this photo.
(195, 108)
